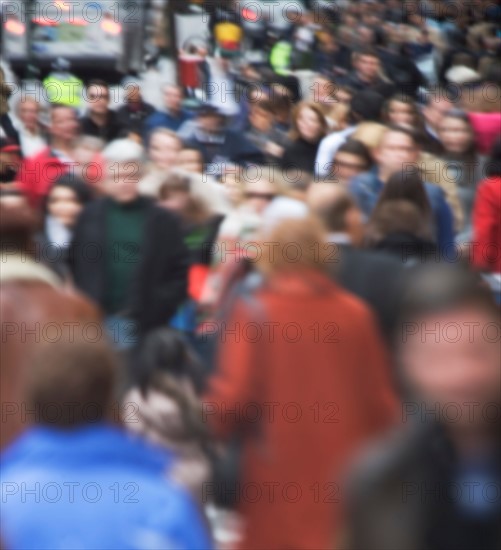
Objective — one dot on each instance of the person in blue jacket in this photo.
(398, 150)
(75, 479)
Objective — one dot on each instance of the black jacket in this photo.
(113, 129)
(133, 120)
(405, 494)
(301, 155)
(160, 282)
(375, 277)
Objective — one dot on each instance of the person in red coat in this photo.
(487, 226)
(38, 173)
(487, 217)
(303, 379)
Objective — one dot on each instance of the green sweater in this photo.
(124, 235)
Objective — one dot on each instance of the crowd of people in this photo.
(266, 315)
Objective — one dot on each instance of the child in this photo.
(163, 406)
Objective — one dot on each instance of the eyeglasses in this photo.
(350, 165)
(263, 196)
(99, 96)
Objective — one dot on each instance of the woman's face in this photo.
(308, 124)
(177, 201)
(190, 160)
(64, 205)
(455, 134)
(163, 150)
(401, 114)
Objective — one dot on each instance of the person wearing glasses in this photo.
(100, 121)
(351, 159)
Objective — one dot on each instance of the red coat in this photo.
(487, 226)
(318, 382)
(37, 175)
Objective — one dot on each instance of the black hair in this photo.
(98, 82)
(355, 147)
(77, 185)
(164, 352)
(434, 288)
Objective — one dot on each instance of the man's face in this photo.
(435, 111)
(122, 181)
(172, 98)
(347, 166)
(133, 94)
(163, 150)
(64, 124)
(396, 151)
(367, 67)
(28, 113)
(451, 361)
(99, 99)
(210, 123)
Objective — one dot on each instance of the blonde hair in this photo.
(369, 133)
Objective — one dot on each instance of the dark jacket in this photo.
(132, 118)
(408, 248)
(409, 494)
(301, 155)
(375, 277)
(231, 147)
(159, 285)
(113, 129)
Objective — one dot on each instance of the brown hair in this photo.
(397, 216)
(196, 211)
(72, 383)
(294, 133)
(298, 244)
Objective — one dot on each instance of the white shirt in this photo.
(31, 144)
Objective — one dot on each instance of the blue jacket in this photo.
(366, 188)
(161, 119)
(93, 488)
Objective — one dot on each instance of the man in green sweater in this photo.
(128, 253)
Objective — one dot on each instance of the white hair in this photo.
(123, 150)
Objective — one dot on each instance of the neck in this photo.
(385, 174)
(99, 118)
(62, 145)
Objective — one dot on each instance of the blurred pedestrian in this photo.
(439, 473)
(172, 117)
(398, 151)
(65, 201)
(138, 275)
(38, 173)
(72, 450)
(348, 382)
(309, 127)
(166, 378)
(133, 114)
(30, 130)
(101, 121)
